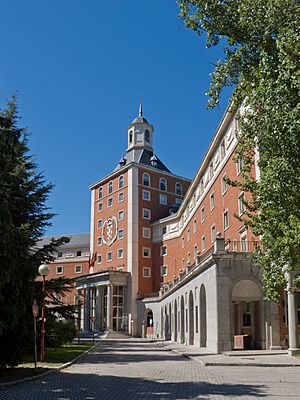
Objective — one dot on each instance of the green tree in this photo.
(23, 219)
(261, 42)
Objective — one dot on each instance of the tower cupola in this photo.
(140, 133)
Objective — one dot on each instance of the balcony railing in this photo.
(242, 246)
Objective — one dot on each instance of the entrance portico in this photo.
(104, 301)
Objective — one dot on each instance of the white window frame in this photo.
(241, 205)
(188, 234)
(202, 212)
(239, 164)
(213, 233)
(179, 192)
(121, 181)
(110, 187)
(163, 250)
(100, 223)
(99, 259)
(178, 202)
(146, 210)
(107, 258)
(121, 197)
(121, 215)
(224, 186)
(163, 199)
(212, 201)
(120, 253)
(100, 207)
(163, 183)
(110, 200)
(203, 243)
(164, 270)
(147, 176)
(119, 231)
(146, 233)
(146, 195)
(100, 192)
(78, 272)
(226, 212)
(195, 225)
(149, 272)
(57, 269)
(147, 249)
(99, 241)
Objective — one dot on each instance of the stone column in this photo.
(293, 319)
(109, 308)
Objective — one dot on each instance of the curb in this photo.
(51, 370)
(224, 364)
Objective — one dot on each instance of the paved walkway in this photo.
(136, 370)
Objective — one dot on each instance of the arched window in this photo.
(163, 184)
(178, 189)
(110, 187)
(130, 136)
(146, 179)
(121, 181)
(100, 192)
(147, 136)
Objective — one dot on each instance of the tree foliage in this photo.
(23, 219)
(261, 42)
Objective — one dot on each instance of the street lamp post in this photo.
(43, 271)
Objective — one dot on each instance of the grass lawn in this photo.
(53, 358)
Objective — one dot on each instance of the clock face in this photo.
(110, 230)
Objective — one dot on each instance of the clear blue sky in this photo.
(79, 67)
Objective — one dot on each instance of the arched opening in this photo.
(147, 136)
(175, 321)
(203, 317)
(191, 318)
(163, 184)
(146, 179)
(182, 330)
(149, 324)
(246, 296)
(130, 136)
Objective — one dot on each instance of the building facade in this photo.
(171, 258)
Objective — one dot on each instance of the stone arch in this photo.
(203, 316)
(191, 318)
(182, 330)
(175, 321)
(149, 323)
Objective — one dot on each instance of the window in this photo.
(78, 253)
(203, 243)
(146, 252)
(224, 184)
(147, 136)
(121, 182)
(188, 234)
(226, 220)
(239, 164)
(109, 202)
(195, 225)
(222, 149)
(99, 258)
(146, 213)
(121, 197)
(164, 270)
(100, 207)
(163, 250)
(201, 186)
(246, 310)
(182, 242)
(178, 202)
(178, 189)
(213, 233)
(100, 224)
(163, 184)
(163, 199)
(121, 215)
(146, 179)
(120, 253)
(59, 270)
(241, 204)
(99, 241)
(146, 233)
(202, 215)
(121, 234)
(189, 258)
(109, 256)
(183, 264)
(146, 195)
(130, 136)
(211, 170)
(244, 244)
(195, 251)
(163, 230)
(78, 269)
(110, 187)
(212, 201)
(146, 272)
(59, 254)
(100, 192)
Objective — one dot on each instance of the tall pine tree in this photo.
(23, 219)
